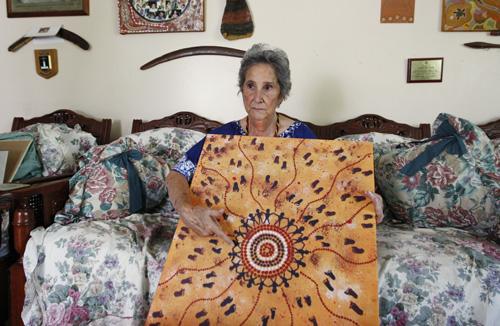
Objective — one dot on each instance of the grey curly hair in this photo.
(277, 58)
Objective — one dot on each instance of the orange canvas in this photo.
(303, 230)
(397, 11)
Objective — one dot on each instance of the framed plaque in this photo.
(425, 70)
(46, 63)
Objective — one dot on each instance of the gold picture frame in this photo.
(30, 8)
(425, 70)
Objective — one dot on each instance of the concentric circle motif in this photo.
(269, 250)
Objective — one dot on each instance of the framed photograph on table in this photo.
(161, 16)
(425, 70)
(38, 8)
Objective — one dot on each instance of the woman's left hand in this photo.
(379, 205)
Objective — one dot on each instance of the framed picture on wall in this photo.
(37, 8)
(161, 16)
(425, 70)
(470, 15)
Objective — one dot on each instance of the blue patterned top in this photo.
(187, 164)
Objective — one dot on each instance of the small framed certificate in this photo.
(425, 70)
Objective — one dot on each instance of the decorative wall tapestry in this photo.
(304, 250)
(157, 16)
(471, 15)
(397, 11)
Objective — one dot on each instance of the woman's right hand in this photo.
(203, 221)
(200, 219)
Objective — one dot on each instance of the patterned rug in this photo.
(304, 249)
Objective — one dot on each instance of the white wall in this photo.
(344, 63)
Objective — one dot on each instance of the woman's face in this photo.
(261, 91)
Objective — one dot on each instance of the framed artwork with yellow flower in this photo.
(471, 15)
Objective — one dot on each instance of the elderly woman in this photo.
(264, 81)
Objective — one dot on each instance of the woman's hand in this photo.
(379, 205)
(203, 221)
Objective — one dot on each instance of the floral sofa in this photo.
(438, 252)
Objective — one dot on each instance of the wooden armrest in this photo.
(46, 179)
(23, 222)
(45, 198)
(36, 206)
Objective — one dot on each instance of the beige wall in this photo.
(344, 63)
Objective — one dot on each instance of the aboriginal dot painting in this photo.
(303, 230)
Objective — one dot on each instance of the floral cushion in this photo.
(4, 233)
(100, 189)
(441, 276)
(495, 235)
(60, 147)
(95, 272)
(496, 144)
(381, 144)
(450, 190)
(168, 143)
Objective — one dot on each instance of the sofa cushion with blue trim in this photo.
(449, 180)
(103, 187)
(118, 180)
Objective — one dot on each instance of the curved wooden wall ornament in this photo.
(482, 45)
(62, 33)
(196, 50)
